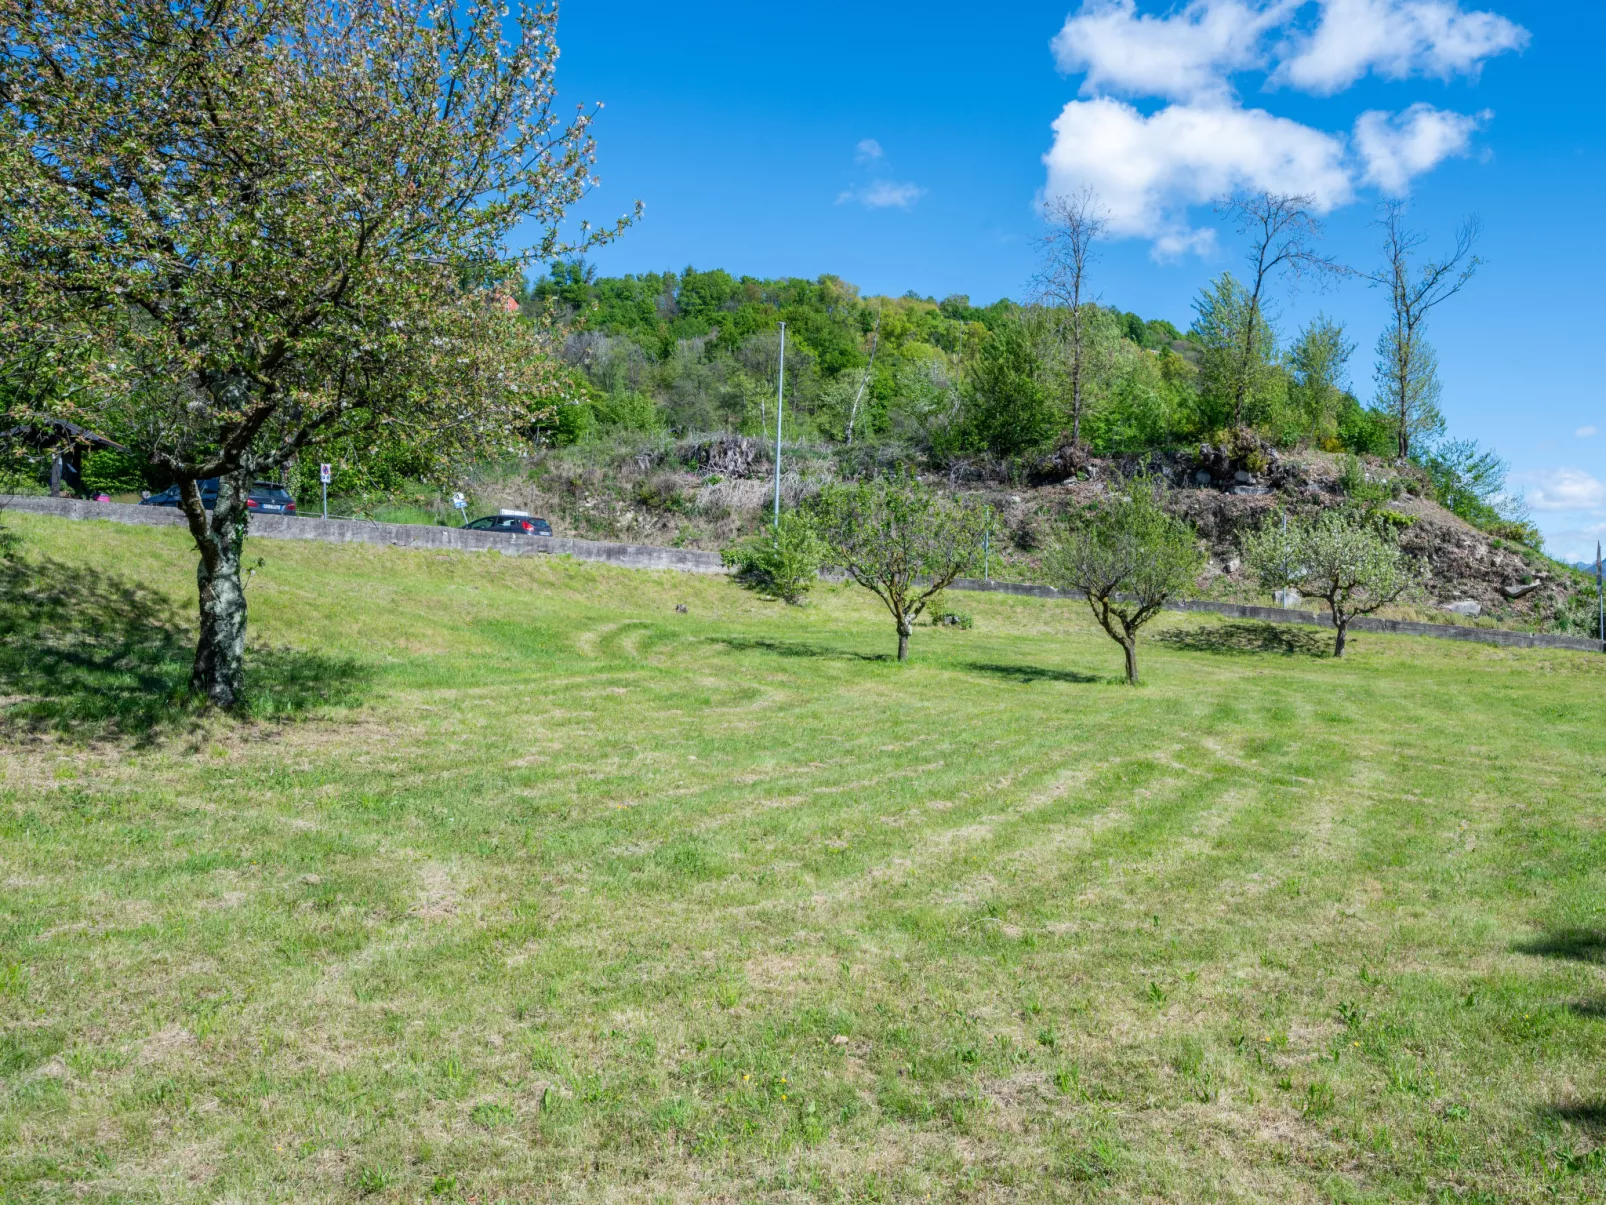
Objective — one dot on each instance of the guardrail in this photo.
(685, 560)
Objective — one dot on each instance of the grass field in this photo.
(522, 886)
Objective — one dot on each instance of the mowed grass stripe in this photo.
(1271, 928)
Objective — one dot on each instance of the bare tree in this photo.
(1282, 233)
(1075, 223)
(1405, 368)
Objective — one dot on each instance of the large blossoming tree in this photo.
(250, 228)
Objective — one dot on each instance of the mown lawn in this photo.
(523, 886)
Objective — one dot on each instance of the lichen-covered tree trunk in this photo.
(904, 629)
(1342, 623)
(219, 670)
(1129, 645)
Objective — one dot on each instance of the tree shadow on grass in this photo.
(1575, 945)
(1249, 637)
(1027, 674)
(1588, 1115)
(797, 648)
(1592, 1010)
(90, 654)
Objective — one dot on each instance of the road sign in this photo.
(462, 505)
(325, 473)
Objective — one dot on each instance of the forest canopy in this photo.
(698, 351)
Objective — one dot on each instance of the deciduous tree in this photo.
(1347, 559)
(1129, 557)
(1075, 223)
(1407, 370)
(281, 224)
(1318, 361)
(1282, 231)
(901, 541)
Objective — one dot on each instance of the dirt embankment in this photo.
(705, 494)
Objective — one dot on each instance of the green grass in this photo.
(522, 886)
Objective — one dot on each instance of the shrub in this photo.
(944, 616)
(113, 473)
(782, 562)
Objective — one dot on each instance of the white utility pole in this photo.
(780, 393)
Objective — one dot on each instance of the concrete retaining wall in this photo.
(647, 556)
(401, 535)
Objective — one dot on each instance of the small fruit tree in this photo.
(901, 541)
(1129, 557)
(1342, 556)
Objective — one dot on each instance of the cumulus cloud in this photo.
(1147, 170)
(883, 194)
(1395, 39)
(868, 151)
(1183, 56)
(1562, 489)
(1395, 148)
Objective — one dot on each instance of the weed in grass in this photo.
(371, 1179)
(492, 1115)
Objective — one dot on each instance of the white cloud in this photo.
(883, 194)
(1186, 55)
(1586, 432)
(1396, 148)
(1562, 489)
(1147, 170)
(1396, 39)
(879, 193)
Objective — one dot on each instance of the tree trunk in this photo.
(903, 639)
(219, 670)
(1076, 371)
(1130, 647)
(1338, 641)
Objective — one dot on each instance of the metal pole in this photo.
(986, 551)
(780, 394)
(325, 485)
(1600, 595)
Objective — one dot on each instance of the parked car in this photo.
(264, 498)
(512, 522)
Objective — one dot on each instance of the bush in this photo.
(113, 473)
(627, 410)
(1365, 430)
(783, 562)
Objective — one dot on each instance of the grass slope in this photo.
(555, 894)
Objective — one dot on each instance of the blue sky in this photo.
(902, 146)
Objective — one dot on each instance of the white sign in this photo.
(459, 501)
(325, 472)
